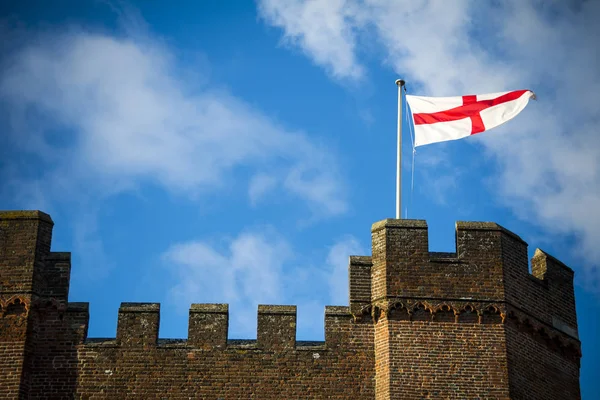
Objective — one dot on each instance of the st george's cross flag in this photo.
(438, 119)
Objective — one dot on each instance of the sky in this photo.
(239, 152)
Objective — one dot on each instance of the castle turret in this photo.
(38, 328)
(474, 323)
(24, 247)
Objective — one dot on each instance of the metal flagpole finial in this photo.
(400, 82)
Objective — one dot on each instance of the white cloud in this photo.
(246, 273)
(258, 267)
(115, 111)
(249, 267)
(306, 181)
(549, 156)
(89, 246)
(337, 263)
(329, 39)
(98, 115)
(259, 185)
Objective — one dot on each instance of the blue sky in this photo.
(239, 152)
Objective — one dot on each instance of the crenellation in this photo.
(473, 323)
(338, 319)
(359, 282)
(400, 247)
(138, 324)
(337, 311)
(78, 317)
(59, 256)
(479, 241)
(56, 276)
(276, 327)
(548, 292)
(208, 325)
(547, 268)
(25, 238)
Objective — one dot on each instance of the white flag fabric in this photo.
(438, 119)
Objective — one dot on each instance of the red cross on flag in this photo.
(437, 119)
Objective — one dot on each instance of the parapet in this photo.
(78, 316)
(359, 280)
(488, 269)
(138, 324)
(138, 327)
(54, 279)
(547, 268)
(208, 325)
(276, 327)
(25, 238)
(557, 281)
(490, 265)
(25, 215)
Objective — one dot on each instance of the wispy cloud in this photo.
(258, 267)
(125, 118)
(259, 186)
(100, 114)
(549, 156)
(337, 268)
(247, 272)
(329, 41)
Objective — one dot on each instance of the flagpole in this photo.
(400, 83)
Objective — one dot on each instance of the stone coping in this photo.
(337, 311)
(78, 307)
(139, 307)
(399, 223)
(271, 309)
(59, 256)
(25, 214)
(361, 260)
(542, 253)
(486, 226)
(209, 308)
(460, 225)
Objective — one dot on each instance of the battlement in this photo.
(25, 238)
(490, 265)
(475, 309)
(138, 326)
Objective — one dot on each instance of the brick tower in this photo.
(470, 324)
(38, 328)
(474, 324)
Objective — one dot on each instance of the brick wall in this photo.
(540, 369)
(136, 365)
(469, 324)
(441, 318)
(25, 238)
(446, 360)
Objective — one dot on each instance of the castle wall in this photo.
(24, 243)
(383, 367)
(540, 369)
(137, 365)
(470, 324)
(433, 360)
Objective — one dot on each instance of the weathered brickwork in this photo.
(474, 324)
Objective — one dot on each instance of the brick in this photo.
(418, 325)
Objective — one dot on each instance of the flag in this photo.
(437, 119)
